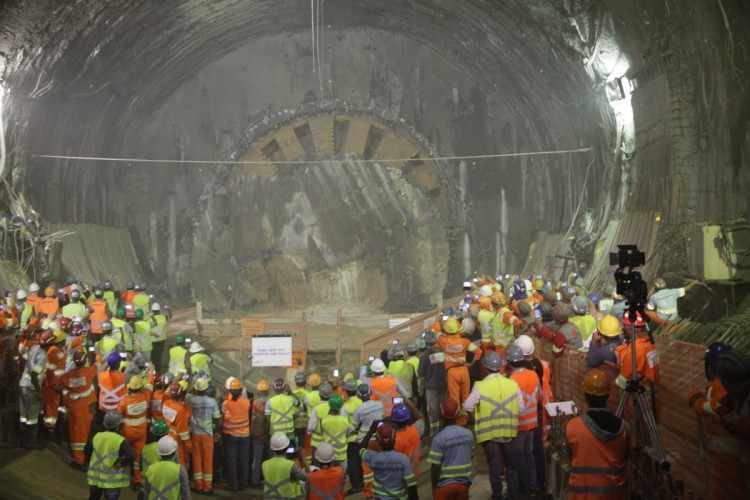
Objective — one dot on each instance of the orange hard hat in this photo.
(485, 303)
(49, 292)
(499, 299)
(235, 384)
(314, 380)
(262, 385)
(596, 382)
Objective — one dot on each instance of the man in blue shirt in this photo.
(451, 455)
(393, 476)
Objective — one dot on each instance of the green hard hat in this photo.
(335, 403)
(159, 428)
(120, 312)
(139, 314)
(179, 339)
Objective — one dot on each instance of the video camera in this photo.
(630, 283)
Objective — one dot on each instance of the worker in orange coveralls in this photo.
(647, 357)
(50, 385)
(455, 347)
(729, 450)
(134, 410)
(80, 403)
(177, 415)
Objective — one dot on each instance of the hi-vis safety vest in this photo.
(163, 479)
(384, 389)
(142, 336)
(334, 433)
(126, 337)
(322, 411)
(528, 382)
(177, 360)
(312, 400)
(237, 417)
(102, 471)
(278, 484)
(99, 315)
(282, 409)
(502, 333)
(598, 468)
(150, 455)
(26, 313)
(159, 327)
(135, 408)
(301, 417)
(200, 362)
(350, 406)
(404, 372)
(496, 415)
(75, 309)
(109, 297)
(111, 389)
(326, 484)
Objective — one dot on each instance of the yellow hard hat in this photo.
(135, 383)
(499, 299)
(451, 326)
(59, 335)
(609, 326)
(538, 284)
(485, 303)
(262, 385)
(596, 382)
(314, 380)
(348, 376)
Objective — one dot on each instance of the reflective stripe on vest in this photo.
(322, 411)
(278, 483)
(164, 481)
(334, 433)
(281, 419)
(101, 470)
(109, 398)
(78, 395)
(325, 495)
(497, 419)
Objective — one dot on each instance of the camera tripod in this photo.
(651, 477)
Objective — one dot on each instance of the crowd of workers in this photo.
(142, 417)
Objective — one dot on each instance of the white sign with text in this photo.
(272, 351)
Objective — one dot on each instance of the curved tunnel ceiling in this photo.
(508, 76)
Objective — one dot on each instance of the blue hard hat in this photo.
(713, 353)
(113, 360)
(448, 311)
(519, 290)
(594, 298)
(401, 414)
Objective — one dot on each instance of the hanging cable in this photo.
(306, 162)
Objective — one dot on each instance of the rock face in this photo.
(654, 88)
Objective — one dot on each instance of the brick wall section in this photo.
(681, 370)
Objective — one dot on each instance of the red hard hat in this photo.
(64, 324)
(449, 409)
(46, 338)
(639, 323)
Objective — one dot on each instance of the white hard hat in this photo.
(526, 345)
(21, 295)
(279, 441)
(377, 366)
(195, 347)
(324, 453)
(155, 306)
(485, 291)
(229, 382)
(167, 446)
(467, 284)
(34, 288)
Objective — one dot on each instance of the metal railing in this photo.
(404, 332)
